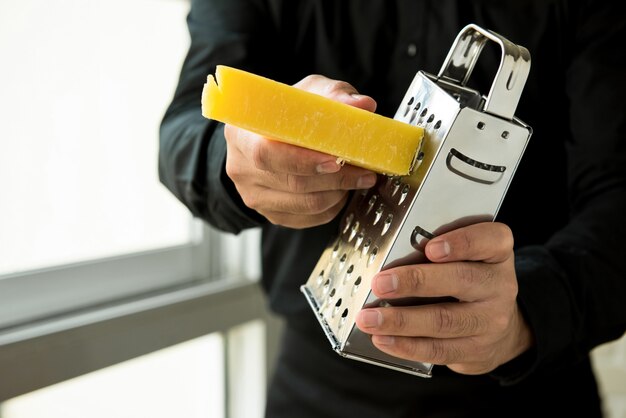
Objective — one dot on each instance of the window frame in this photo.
(49, 292)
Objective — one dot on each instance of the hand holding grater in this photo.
(471, 148)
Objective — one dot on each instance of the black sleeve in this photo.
(192, 148)
(573, 289)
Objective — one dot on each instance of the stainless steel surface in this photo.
(468, 158)
(508, 82)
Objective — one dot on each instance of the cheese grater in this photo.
(471, 148)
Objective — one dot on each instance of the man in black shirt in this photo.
(540, 288)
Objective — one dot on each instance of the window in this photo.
(101, 268)
(84, 86)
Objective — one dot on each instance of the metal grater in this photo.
(471, 149)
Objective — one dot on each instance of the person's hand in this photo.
(484, 329)
(289, 185)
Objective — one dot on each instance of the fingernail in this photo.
(366, 181)
(328, 167)
(357, 96)
(386, 283)
(371, 318)
(439, 249)
(384, 339)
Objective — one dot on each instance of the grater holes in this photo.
(372, 256)
(344, 316)
(335, 250)
(370, 203)
(408, 106)
(327, 287)
(320, 278)
(480, 125)
(379, 213)
(348, 275)
(395, 186)
(348, 223)
(415, 110)
(387, 224)
(354, 231)
(342, 260)
(359, 239)
(366, 246)
(404, 193)
(356, 285)
(337, 307)
(431, 118)
(505, 134)
(437, 125)
(424, 112)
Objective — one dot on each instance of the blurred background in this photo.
(114, 301)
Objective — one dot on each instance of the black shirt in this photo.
(565, 206)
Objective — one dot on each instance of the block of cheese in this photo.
(285, 113)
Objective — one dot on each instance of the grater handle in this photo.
(510, 78)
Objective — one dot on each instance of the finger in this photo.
(275, 156)
(348, 178)
(269, 200)
(467, 281)
(340, 91)
(299, 221)
(491, 242)
(440, 320)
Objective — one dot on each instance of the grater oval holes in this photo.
(337, 307)
(348, 274)
(326, 286)
(372, 256)
(404, 193)
(366, 246)
(424, 112)
(320, 278)
(354, 230)
(431, 118)
(437, 124)
(408, 106)
(348, 223)
(357, 283)
(332, 293)
(395, 186)
(505, 134)
(371, 203)
(359, 240)
(415, 109)
(379, 213)
(342, 260)
(387, 224)
(344, 316)
(335, 250)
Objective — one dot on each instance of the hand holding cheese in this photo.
(290, 185)
(303, 118)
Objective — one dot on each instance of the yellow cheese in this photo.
(285, 113)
